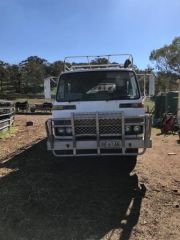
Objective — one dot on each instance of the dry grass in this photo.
(8, 133)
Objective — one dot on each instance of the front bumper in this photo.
(100, 144)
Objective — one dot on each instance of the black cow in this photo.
(22, 106)
(47, 106)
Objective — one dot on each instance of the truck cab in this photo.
(99, 111)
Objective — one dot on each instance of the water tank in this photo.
(166, 103)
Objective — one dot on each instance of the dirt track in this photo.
(86, 199)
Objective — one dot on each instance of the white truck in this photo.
(99, 111)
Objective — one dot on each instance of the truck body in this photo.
(99, 111)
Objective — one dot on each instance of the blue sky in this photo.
(53, 29)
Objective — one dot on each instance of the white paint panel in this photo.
(98, 106)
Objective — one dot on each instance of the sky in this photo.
(54, 29)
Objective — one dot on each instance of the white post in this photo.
(47, 88)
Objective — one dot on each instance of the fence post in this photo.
(6, 114)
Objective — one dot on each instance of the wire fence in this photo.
(7, 112)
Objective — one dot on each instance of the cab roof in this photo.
(115, 69)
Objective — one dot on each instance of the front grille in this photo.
(108, 124)
(85, 126)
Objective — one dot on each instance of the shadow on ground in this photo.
(83, 199)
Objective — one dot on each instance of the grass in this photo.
(6, 134)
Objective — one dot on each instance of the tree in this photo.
(54, 69)
(100, 61)
(167, 61)
(15, 77)
(167, 58)
(166, 82)
(4, 76)
(33, 71)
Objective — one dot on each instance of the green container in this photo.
(172, 102)
(166, 103)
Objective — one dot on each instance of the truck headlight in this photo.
(69, 131)
(128, 129)
(60, 131)
(137, 129)
(63, 131)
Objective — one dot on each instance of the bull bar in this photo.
(91, 144)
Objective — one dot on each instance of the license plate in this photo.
(110, 144)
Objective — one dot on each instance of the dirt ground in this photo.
(85, 198)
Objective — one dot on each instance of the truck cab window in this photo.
(97, 86)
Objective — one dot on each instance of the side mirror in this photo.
(151, 85)
(49, 84)
(147, 84)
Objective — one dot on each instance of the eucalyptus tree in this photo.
(33, 70)
(167, 58)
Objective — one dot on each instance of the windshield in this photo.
(97, 86)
